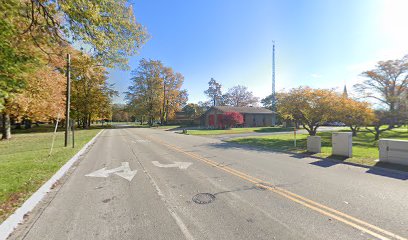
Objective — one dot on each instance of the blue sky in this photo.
(322, 44)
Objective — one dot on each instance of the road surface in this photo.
(152, 184)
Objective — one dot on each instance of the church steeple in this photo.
(345, 94)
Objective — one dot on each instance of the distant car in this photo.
(334, 124)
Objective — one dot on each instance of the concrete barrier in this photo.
(314, 144)
(342, 144)
(393, 151)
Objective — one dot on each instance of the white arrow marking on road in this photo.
(122, 171)
(181, 165)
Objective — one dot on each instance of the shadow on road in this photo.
(387, 173)
(382, 169)
(324, 163)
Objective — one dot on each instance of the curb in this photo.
(8, 226)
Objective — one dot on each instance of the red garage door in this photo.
(211, 120)
(219, 120)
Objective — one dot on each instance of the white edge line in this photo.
(8, 226)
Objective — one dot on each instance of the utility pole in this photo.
(68, 99)
(273, 85)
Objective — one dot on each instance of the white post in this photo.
(342, 144)
(53, 137)
(314, 144)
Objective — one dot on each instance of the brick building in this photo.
(253, 116)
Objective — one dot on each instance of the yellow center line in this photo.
(335, 214)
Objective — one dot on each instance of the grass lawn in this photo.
(238, 130)
(365, 148)
(25, 165)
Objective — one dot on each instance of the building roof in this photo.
(257, 110)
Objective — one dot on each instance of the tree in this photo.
(267, 102)
(354, 114)
(33, 31)
(382, 117)
(173, 96)
(42, 100)
(146, 91)
(190, 110)
(108, 27)
(387, 84)
(16, 59)
(193, 110)
(13, 61)
(214, 92)
(231, 119)
(239, 96)
(91, 93)
(31, 86)
(156, 91)
(310, 107)
(120, 113)
(205, 105)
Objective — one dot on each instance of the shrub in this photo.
(231, 119)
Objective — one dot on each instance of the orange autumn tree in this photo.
(91, 94)
(173, 96)
(43, 98)
(309, 107)
(354, 114)
(155, 92)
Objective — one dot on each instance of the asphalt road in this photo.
(255, 194)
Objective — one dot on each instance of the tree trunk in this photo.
(161, 118)
(377, 136)
(354, 131)
(84, 122)
(377, 132)
(89, 122)
(27, 123)
(6, 127)
(310, 129)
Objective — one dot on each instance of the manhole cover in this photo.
(260, 187)
(203, 198)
